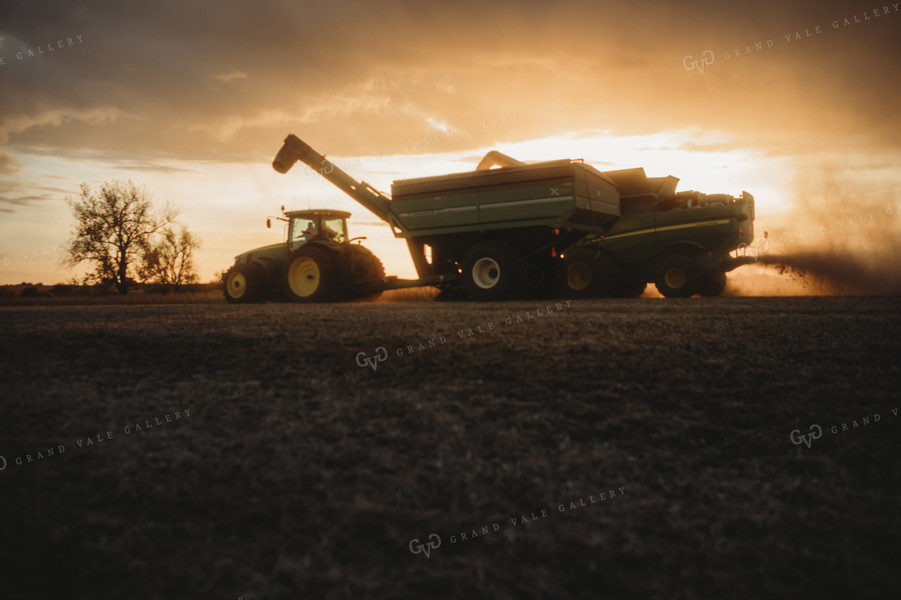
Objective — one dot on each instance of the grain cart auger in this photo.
(295, 149)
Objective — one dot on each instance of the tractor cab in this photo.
(320, 225)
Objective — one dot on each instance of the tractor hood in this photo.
(275, 252)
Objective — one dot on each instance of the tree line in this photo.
(127, 240)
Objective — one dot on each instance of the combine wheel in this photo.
(677, 276)
(493, 270)
(312, 276)
(588, 274)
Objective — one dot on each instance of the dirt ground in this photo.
(604, 449)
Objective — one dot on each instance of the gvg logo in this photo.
(761, 247)
(816, 432)
(418, 548)
(380, 356)
(326, 169)
(691, 64)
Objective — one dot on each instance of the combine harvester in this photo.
(547, 229)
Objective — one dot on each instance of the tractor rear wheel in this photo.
(312, 276)
(247, 282)
(493, 270)
(362, 268)
(677, 276)
(588, 274)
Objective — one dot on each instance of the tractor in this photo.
(317, 262)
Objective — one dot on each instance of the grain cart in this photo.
(496, 232)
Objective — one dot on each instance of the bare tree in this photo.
(113, 227)
(170, 260)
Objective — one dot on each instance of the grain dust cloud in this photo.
(839, 237)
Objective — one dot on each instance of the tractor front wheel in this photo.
(245, 283)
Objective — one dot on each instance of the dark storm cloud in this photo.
(227, 80)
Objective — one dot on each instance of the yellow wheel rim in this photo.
(675, 277)
(303, 276)
(578, 276)
(237, 285)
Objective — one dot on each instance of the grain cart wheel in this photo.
(542, 282)
(588, 274)
(712, 283)
(246, 283)
(677, 276)
(312, 276)
(493, 271)
(361, 268)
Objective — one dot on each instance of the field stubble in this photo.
(300, 474)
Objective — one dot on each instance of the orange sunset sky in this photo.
(797, 103)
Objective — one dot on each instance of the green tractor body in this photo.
(317, 262)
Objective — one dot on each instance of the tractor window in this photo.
(303, 230)
(334, 230)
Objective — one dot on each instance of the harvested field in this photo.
(299, 465)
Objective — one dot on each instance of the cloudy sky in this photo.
(193, 99)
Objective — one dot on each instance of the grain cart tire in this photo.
(361, 268)
(542, 282)
(712, 283)
(245, 283)
(677, 276)
(588, 274)
(311, 275)
(493, 270)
